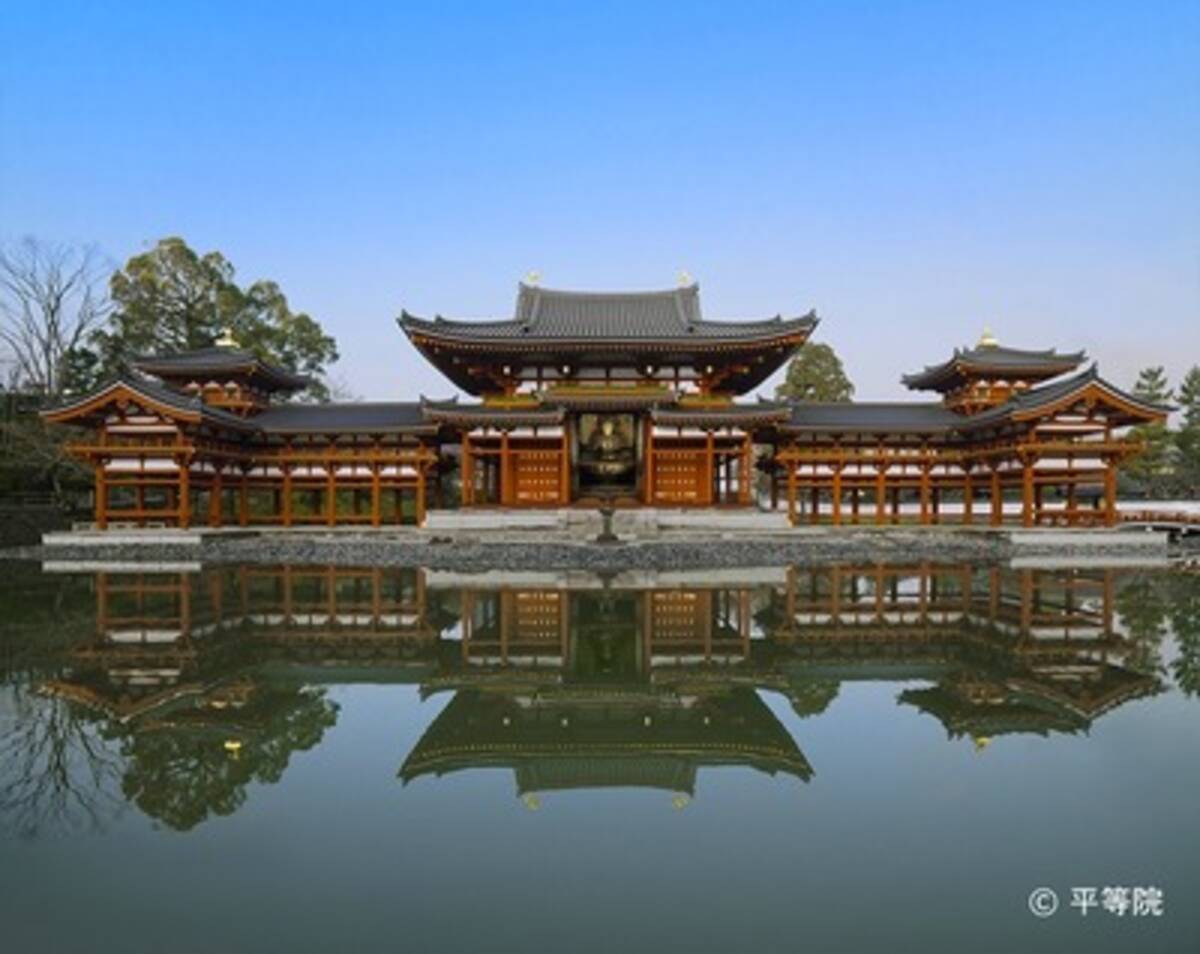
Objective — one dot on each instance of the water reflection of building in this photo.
(589, 687)
(570, 680)
(1007, 650)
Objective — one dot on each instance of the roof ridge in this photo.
(587, 293)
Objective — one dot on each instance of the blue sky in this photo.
(911, 170)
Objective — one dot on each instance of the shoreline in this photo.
(531, 551)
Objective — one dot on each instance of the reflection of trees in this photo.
(812, 696)
(180, 772)
(59, 770)
(1141, 604)
(1147, 603)
(1185, 622)
(43, 617)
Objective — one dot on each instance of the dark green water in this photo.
(848, 759)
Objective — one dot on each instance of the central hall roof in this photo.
(551, 315)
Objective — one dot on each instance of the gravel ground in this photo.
(534, 553)
(546, 551)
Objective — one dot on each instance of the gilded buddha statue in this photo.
(608, 453)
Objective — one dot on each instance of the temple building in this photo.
(624, 399)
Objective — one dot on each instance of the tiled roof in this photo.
(451, 412)
(158, 393)
(931, 417)
(220, 361)
(762, 412)
(544, 314)
(985, 358)
(1048, 394)
(936, 418)
(361, 418)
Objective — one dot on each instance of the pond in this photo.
(835, 758)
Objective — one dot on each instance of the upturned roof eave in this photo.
(187, 408)
(197, 362)
(1044, 364)
(466, 333)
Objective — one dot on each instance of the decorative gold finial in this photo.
(226, 340)
(533, 278)
(685, 278)
(987, 339)
(981, 742)
(531, 800)
(679, 800)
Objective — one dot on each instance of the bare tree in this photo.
(60, 773)
(51, 298)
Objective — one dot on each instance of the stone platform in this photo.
(635, 522)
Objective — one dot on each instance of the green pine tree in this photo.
(816, 374)
(1187, 439)
(1152, 468)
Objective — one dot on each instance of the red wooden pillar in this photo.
(564, 467)
(968, 498)
(1026, 492)
(468, 472)
(244, 501)
(791, 492)
(185, 494)
(997, 501)
(505, 471)
(1110, 492)
(420, 505)
(214, 500)
(101, 492)
(881, 494)
(286, 509)
(709, 473)
(376, 507)
(746, 469)
(924, 490)
(330, 492)
(837, 494)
